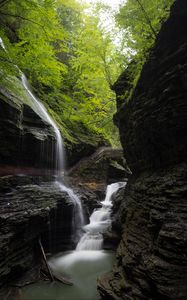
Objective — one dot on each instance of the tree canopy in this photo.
(72, 60)
(140, 22)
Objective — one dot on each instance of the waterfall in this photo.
(78, 218)
(99, 221)
(42, 112)
(2, 44)
(40, 109)
(78, 215)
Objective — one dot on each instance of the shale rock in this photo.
(29, 211)
(152, 216)
(23, 132)
(105, 165)
(153, 123)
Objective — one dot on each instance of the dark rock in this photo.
(29, 211)
(23, 135)
(152, 213)
(106, 165)
(83, 144)
(77, 151)
(151, 257)
(90, 176)
(153, 123)
(124, 84)
(111, 240)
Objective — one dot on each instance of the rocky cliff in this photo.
(24, 134)
(31, 205)
(152, 254)
(30, 210)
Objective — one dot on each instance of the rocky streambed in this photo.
(32, 207)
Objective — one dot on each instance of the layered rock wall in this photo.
(24, 134)
(152, 254)
(105, 165)
(153, 124)
(31, 207)
(30, 211)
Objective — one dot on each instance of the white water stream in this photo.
(78, 217)
(99, 221)
(42, 112)
(2, 44)
(83, 266)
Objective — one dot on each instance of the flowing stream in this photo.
(99, 222)
(83, 265)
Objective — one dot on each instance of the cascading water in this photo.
(40, 109)
(99, 221)
(78, 217)
(78, 220)
(2, 44)
(84, 264)
(42, 112)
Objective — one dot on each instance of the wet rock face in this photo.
(29, 211)
(23, 136)
(152, 214)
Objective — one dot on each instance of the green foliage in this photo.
(140, 22)
(67, 59)
(72, 60)
(33, 51)
(6, 64)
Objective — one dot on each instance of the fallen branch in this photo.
(59, 278)
(53, 276)
(45, 260)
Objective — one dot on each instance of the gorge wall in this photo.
(152, 216)
(32, 205)
(30, 209)
(24, 134)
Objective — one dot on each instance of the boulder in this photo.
(106, 165)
